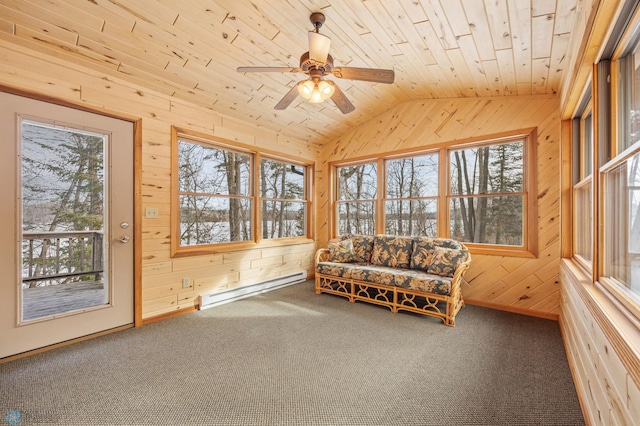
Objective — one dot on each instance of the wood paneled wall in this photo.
(602, 353)
(162, 276)
(511, 283)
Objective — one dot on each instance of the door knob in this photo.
(124, 239)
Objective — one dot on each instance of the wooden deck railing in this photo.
(56, 255)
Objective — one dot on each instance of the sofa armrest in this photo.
(322, 255)
(460, 270)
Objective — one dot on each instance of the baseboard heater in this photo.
(220, 297)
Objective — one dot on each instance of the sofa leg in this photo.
(450, 320)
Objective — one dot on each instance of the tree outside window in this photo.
(411, 204)
(63, 172)
(477, 192)
(282, 189)
(233, 195)
(215, 194)
(487, 194)
(357, 188)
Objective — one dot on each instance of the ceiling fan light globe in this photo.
(306, 88)
(316, 96)
(326, 90)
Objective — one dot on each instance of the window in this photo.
(217, 198)
(215, 194)
(357, 189)
(583, 187)
(478, 192)
(411, 202)
(629, 99)
(622, 225)
(282, 189)
(486, 193)
(620, 185)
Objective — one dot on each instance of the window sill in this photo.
(500, 251)
(238, 246)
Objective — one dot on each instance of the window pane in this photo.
(208, 220)
(587, 147)
(209, 170)
(629, 99)
(622, 225)
(412, 217)
(283, 219)
(412, 177)
(583, 221)
(356, 218)
(488, 169)
(281, 180)
(357, 182)
(63, 217)
(488, 220)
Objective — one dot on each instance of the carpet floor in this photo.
(291, 357)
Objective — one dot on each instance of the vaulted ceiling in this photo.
(190, 49)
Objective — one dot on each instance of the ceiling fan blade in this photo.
(288, 98)
(365, 74)
(341, 100)
(267, 69)
(319, 47)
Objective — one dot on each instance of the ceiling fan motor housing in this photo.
(306, 64)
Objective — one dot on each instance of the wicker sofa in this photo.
(417, 274)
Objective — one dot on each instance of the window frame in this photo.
(610, 284)
(627, 43)
(334, 216)
(256, 240)
(529, 247)
(526, 206)
(583, 160)
(385, 196)
(303, 200)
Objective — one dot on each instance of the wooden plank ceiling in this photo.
(190, 49)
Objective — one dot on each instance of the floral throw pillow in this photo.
(342, 251)
(422, 253)
(445, 261)
(391, 251)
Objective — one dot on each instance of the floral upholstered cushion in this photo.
(422, 253)
(342, 251)
(342, 270)
(406, 278)
(423, 249)
(391, 251)
(362, 247)
(445, 261)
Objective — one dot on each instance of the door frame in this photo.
(137, 207)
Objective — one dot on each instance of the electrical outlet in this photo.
(151, 213)
(186, 282)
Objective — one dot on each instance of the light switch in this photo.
(151, 213)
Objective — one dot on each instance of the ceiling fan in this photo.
(317, 64)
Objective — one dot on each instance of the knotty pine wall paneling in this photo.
(511, 283)
(162, 292)
(603, 355)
